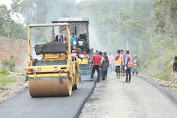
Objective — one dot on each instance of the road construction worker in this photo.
(135, 64)
(85, 54)
(73, 39)
(104, 66)
(128, 66)
(175, 65)
(96, 61)
(74, 55)
(110, 57)
(123, 63)
(65, 39)
(62, 39)
(118, 63)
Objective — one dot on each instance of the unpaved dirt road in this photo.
(138, 99)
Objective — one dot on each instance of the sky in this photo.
(6, 2)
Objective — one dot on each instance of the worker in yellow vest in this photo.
(118, 63)
(135, 64)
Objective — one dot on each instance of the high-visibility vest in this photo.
(135, 62)
(119, 60)
(130, 63)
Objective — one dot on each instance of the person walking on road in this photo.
(135, 64)
(118, 63)
(104, 66)
(110, 57)
(96, 61)
(128, 66)
(123, 63)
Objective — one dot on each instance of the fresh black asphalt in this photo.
(23, 106)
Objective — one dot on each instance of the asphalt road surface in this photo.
(23, 106)
(115, 98)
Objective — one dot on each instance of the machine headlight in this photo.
(80, 42)
(55, 68)
(39, 69)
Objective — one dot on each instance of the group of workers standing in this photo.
(123, 64)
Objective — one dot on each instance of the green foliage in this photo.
(4, 79)
(8, 27)
(7, 66)
(42, 11)
(19, 71)
(165, 74)
(3, 70)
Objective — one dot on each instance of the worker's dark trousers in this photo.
(96, 67)
(128, 74)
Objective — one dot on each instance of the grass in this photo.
(4, 80)
(19, 71)
(166, 73)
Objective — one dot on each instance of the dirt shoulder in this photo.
(14, 50)
(170, 83)
(11, 89)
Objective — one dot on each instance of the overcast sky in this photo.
(6, 2)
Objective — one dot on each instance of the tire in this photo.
(75, 87)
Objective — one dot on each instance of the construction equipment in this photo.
(80, 27)
(56, 73)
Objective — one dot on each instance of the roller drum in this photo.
(50, 87)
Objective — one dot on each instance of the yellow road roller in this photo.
(51, 70)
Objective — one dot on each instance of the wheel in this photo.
(76, 79)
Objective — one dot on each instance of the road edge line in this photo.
(15, 94)
(165, 91)
(86, 99)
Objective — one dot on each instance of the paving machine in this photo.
(80, 27)
(52, 71)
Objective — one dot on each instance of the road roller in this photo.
(52, 70)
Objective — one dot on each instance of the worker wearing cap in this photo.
(118, 63)
(135, 64)
(73, 54)
(96, 61)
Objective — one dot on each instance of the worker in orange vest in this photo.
(128, 66)
(118, 63)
